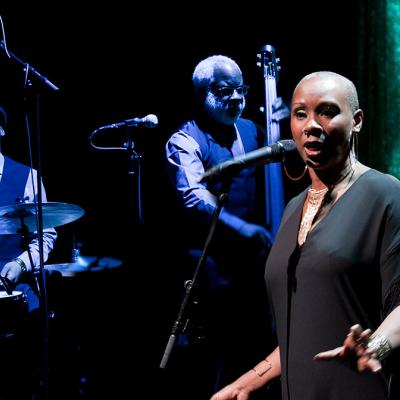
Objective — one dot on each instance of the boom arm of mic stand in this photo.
(179, 323)
(26, 66)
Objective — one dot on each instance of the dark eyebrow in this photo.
(328, 106)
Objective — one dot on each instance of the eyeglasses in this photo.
(227, 91)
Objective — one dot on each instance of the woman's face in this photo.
(322, 121)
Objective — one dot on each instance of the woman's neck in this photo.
(328, 178)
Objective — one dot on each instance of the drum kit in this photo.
(54, 214)
(14, 217)
(84, 265)
(21, 218)
(71, 299)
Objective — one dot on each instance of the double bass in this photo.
(275, 110)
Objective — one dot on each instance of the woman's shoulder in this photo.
(378, 188)
(381, 180)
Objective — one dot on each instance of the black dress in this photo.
(342, 275)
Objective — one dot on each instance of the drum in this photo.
(13, 310)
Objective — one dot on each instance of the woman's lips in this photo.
(312, 152)
(313, 149)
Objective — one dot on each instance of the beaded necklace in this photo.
(314, 202)
(318, 199)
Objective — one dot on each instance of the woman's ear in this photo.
(358, 118)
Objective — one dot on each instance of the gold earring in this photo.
(292, 178)
(355, 144)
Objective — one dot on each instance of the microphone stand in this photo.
(40, 276)
(28, 68)
(135, 171)
(134, 159)
(180, 323)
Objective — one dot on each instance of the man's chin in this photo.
(234, 116)
(227, 119)
(230, 121)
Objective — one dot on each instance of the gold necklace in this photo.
(318, 199)
(315, 198)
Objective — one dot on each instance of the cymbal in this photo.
(54, 214)
(85, 264)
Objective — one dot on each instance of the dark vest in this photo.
(12, 188)
(241, 187)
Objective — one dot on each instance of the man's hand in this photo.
(12, 271)
(257, 232)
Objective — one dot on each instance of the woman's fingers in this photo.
(329, 354)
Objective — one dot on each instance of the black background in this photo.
(118, 61)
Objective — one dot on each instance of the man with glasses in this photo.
(228, 322)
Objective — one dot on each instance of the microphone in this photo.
(275, 152)
(149, 121)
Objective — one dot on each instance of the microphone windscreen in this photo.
(150, 121)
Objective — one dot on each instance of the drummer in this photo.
(20, 334)
(19, 253)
